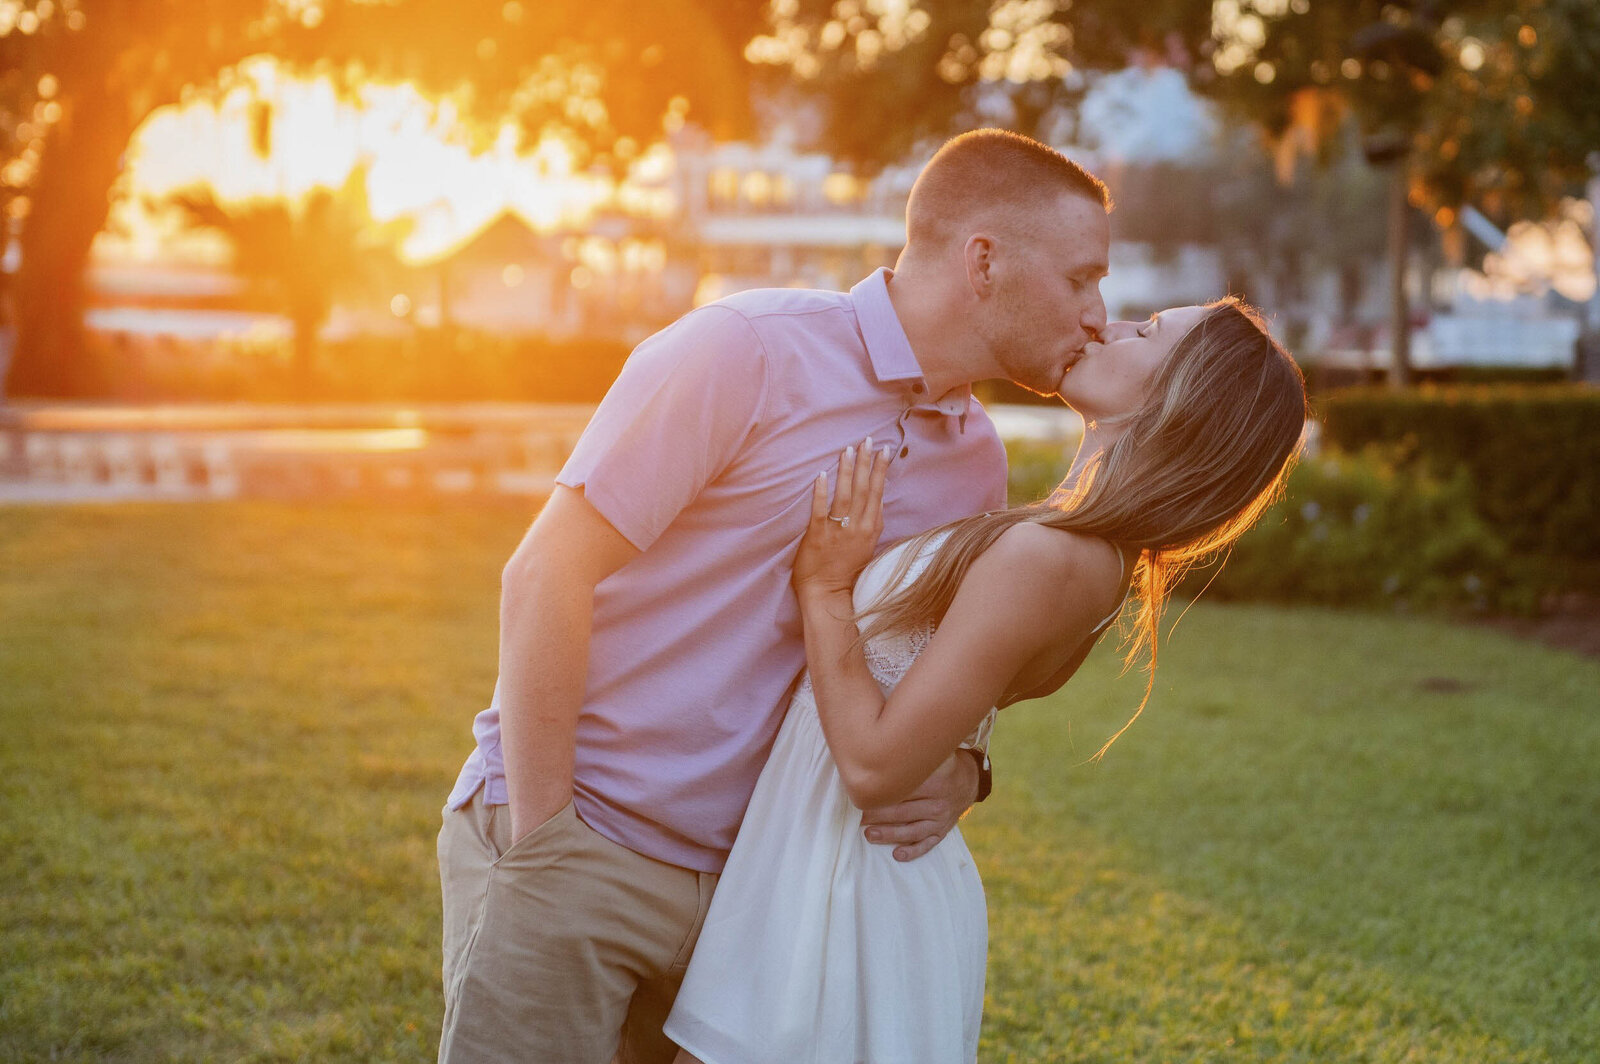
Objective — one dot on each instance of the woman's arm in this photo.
(1035, 589)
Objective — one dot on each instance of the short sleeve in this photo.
(685, 401)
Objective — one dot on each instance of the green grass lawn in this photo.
(226, 732)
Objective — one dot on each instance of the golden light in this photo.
(724, 185)
(757, 188)
(841, 188)
(1472, 54)
(416, 151)
(400, 305)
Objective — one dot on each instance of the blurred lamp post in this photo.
(1391, 149)
(1589, 338)
(1402, 59)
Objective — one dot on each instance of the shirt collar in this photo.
(890, 351)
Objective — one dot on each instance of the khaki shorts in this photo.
(566, 948)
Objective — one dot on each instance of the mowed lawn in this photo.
(226, 731)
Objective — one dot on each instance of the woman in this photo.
(819, 946)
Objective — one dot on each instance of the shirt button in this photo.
(917, 387)
(904, 451)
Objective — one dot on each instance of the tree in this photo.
(77, 77)
(889, 76)
(1490, 103)
(303, 255)
(1472, 103)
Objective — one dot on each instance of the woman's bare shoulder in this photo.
(1031, 558)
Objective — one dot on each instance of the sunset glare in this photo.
(424, 162)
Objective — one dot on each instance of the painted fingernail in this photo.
(867, 444)
(849, 453)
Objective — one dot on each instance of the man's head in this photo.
(1024, 231)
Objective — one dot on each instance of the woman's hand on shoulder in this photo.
(843, 534)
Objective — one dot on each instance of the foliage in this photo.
(303, 255)
(888, 77)
(1355, 530)
(1035, 467)
(230, 728)
(1446, 498)
(1500, 107)
(77, 77)
(1494, 104)
(1530, 454)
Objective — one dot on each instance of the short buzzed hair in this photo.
(987, 171)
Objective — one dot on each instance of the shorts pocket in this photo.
(531, 843)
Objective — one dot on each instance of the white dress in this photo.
(819, 946)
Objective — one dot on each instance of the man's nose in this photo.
(1094, 319)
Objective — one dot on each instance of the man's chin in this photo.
(1062, 380)
(1049, 391)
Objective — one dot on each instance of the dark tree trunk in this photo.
(305, 357)
(1400, 373)
(70, 201)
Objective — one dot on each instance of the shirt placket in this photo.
(912, 403)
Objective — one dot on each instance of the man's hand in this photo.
(915, 826)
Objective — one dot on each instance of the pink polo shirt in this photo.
(702, 455)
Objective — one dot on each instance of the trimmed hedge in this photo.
(1359, 530)
(1355, 530)
(1530, 453)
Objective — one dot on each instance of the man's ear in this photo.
(979, 259)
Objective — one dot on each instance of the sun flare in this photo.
(277, 136)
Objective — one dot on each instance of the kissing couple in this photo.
(752, 648)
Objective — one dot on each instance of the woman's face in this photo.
(1113, 376)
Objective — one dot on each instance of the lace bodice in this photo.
(889, 657)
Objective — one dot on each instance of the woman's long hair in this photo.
(1202, 458)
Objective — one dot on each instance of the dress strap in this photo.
(1122, 571)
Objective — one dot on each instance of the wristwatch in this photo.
(985, 772)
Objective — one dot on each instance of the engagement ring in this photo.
(842, 522)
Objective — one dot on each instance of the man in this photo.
(649, 638)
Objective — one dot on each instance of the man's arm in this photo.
(546, 616)
(915, 826)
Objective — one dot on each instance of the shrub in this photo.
(1531, 455)
(1352, 530)
(1035, 467)
(1360, 530)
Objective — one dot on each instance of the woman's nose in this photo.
(1119, 330)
